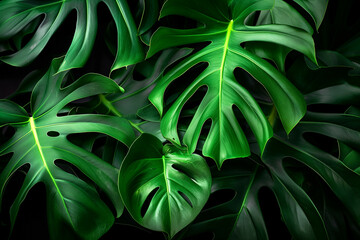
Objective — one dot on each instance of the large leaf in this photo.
(342, 181)
(41, 139)
(223, 26)
(241, 216)
(16, 15)
(176, 184)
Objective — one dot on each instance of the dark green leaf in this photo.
(15, 15)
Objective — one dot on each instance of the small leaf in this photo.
(175, 185)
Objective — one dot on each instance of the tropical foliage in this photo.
(179, 119)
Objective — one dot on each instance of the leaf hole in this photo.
(13, 186)
(327, 108)
(271, 212)
(252, 18)
(183, 170)
(80, 106)
(181, 83)
(147, 202)
(54, 47)
(72, 169)
(179, 22)
(99, 145)
(53, 133)
(84, 140)
(302, 12)
(186, 198)
(256, 89)
(220, 197)
(32, 216)
(6, 133)
(4, 160)
(138, 75)
(324, 143)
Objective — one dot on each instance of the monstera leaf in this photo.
(41, 139)
(16, 15)
(341, 180)
(242, 216)
(280, 13)
(222, 24)
(138, 90)
(349, 155)
(175, 185)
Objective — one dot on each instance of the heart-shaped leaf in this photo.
(175, 185)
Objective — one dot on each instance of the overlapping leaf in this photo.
(41, 139)
(16, 15)
(241, 216)
(222, 24)
(176, 184)
(280, 13)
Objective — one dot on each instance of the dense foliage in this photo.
(179, 119)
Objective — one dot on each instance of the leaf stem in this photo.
(113, 110)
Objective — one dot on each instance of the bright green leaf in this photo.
(177, 185)
(223, 26)
(42, 139)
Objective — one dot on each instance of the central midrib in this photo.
(167, 188)
(37, 142)
(221, 80)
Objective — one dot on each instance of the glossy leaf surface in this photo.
(176, 184)
(15, 15)
(222, 24)
(41, 140)
(241, 216)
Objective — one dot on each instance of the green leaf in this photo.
(341, 180)
(316, 9)
(241, 216)
(149, 15)
(336, 79)
(348, 155)
(351, 48)
(42, 139)
(280, 13)
(15, 15)
(176, 184)
(11, 113)
(223, 26)
(138, 90)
